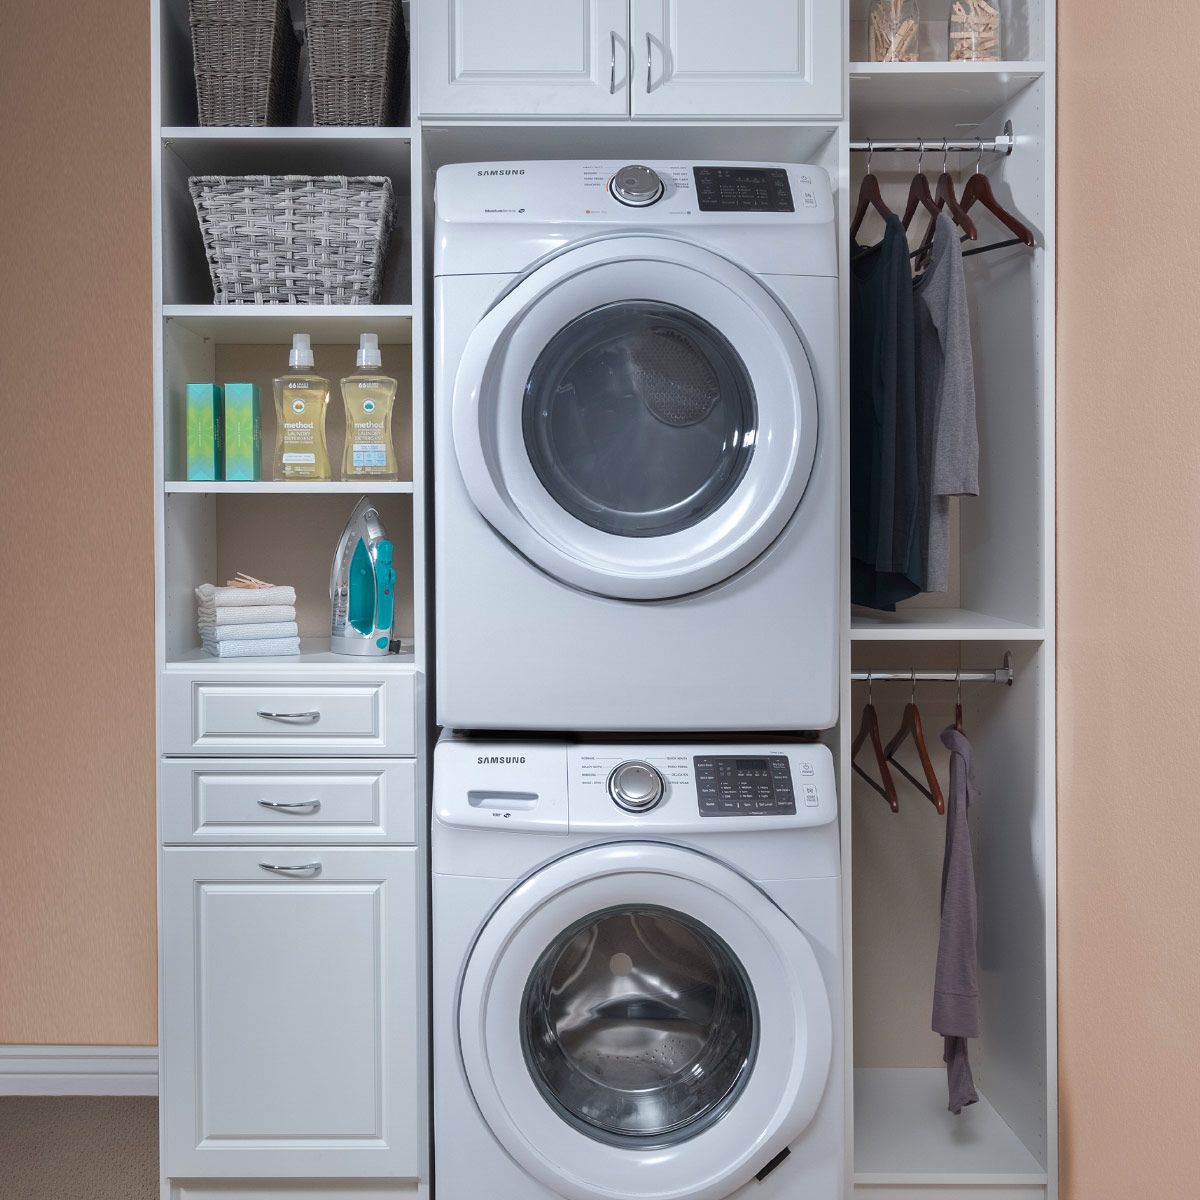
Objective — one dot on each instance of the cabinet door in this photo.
(290, 1044)
(753, 58)
(523, 58)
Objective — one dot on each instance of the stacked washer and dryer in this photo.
(636, 894)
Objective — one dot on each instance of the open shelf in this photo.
(932, 99)
(263, 324)
(314, 655)
(261, 487)
(937, 624)
(401, 134)
(904, 1136)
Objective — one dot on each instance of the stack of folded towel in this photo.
(248, 621)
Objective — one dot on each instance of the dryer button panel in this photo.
(730, 785)
(743, 189)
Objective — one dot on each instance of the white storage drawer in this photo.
(208, 802)
(230, 716)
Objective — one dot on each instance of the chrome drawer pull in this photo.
(304, 718)
(612, 63)
(649, 63)
(298, 807)
(284, 867)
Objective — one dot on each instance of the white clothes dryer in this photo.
(637, 455)
(637, 959)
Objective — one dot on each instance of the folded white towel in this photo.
(215, 597)
(247, 615)
(249, 633)
(264, 648)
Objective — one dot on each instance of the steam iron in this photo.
(362, 586)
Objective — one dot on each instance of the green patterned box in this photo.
(203, 431)
(242, 431)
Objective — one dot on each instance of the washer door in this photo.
(637, 416)
(638, 1020)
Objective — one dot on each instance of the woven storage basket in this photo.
(246, 57)
(358, 61)
(294, 239)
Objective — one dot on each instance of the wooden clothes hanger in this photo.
(869, 196)
(979, 190)
(911, 726)
(919, 195)
(946, 199)
(958, 714)
(869, 728)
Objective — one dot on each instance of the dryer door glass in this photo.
(639, 1023)
(639, 418)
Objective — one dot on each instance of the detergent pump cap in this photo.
(301, 354)
(368, 350)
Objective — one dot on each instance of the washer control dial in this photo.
(636, 185)
(635, 786)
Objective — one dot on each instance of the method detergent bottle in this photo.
(301, 403)
(369, 397)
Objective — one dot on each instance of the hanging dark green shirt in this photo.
(885, 549)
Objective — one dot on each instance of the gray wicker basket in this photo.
(294, 239)
(358, 61)
(246, 57)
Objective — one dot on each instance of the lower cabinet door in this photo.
(290, 1006)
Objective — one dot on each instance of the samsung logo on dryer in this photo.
(500, 758)
(506, 171)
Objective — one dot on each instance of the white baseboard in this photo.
(78, 1070)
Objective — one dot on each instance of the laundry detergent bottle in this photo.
(301, 404)
(369, 397)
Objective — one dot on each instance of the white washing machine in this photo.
(637, 447)
(637, 972)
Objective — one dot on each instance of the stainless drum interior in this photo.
(639, 1023)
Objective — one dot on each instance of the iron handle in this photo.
(612, 62)
(300, 718)
(649, 62)
(287, 867)
(303, 807)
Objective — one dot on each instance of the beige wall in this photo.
(76, 703)
(76, 803)
(1129, 605)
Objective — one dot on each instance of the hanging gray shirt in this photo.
(956, 985)
(949, 438)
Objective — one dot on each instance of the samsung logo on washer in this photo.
(513, 171)
(499, 758)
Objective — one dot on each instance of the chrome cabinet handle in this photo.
(286, 867)
(302, 807)
(302, 718)
(612, 62)
(649, 62)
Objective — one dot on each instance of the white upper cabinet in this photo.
(639, 58)
(736, 58)
(524, 57)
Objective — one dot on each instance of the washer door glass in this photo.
(639, 418)
(639, 1023)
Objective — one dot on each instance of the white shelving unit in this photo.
(245, 925)
(905, 1145)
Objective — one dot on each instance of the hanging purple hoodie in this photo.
(956, 987)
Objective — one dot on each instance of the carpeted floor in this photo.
(78, 1148)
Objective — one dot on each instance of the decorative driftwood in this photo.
(893, 32)
(974, 31)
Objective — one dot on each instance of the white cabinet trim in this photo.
(78, 1070)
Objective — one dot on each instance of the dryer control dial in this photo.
(636, 185)
(635, 786)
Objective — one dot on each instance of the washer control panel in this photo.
(732, 785)
(636, 786)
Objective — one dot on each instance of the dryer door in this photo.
(637, 417)
(637, 1019)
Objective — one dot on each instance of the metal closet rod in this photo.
(1002, 143)
(1002, 674)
